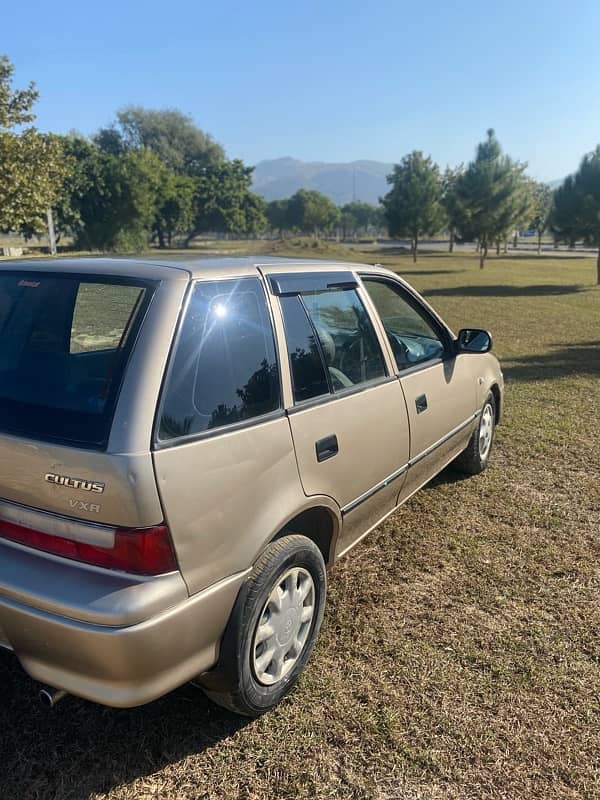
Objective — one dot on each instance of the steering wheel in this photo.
(400, 349)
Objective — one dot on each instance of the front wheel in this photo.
(273, 628)
(475, 457)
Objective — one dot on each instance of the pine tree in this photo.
(490, 196)
(412, 206)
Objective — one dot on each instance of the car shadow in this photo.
(565, 359)
(502, 290)
(80, 749)
(446, 477)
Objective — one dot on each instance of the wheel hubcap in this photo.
(486, 429)
(283, 626)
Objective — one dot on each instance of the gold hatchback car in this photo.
(186, 447)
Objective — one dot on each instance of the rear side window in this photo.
(306, 363)
(332, 345)
(224, 369)
(65, 342)
(348, 341)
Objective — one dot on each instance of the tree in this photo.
(171, 134)
(576, 212)
(15, 104)
(566, 211)
(357, 218)
(490, 196)
(114, 200)
(412, 206)
(541, 207)
(33, 169)
(451, 201)
(311, 212)
(33, 166)
(224, 203)
(175, 212)
(277, 212)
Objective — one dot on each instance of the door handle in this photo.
(421, 403)
(326, 447)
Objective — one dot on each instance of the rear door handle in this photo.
(421, 403)
(326, 447)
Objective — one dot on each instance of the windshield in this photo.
(65, 340)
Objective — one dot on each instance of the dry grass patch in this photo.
(460, 656)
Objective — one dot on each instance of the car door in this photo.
(348, 416)
(437, 383)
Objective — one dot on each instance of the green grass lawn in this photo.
(460, 655)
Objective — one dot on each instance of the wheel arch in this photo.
(319, 523)
(495, 390)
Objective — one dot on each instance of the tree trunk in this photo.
(516, 240)
(505, 249)
(498, 247)
(539, 242)
(51, 233)
(415, 244)
(451, 242)
(482, 255)
(598, 268)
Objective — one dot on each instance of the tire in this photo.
(245, 680)
(475, 457)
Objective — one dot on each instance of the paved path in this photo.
(524, 249)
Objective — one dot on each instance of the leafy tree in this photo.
(223, 201)
(15, 104)
(33, 166)
(115, 199)
(576, 212)
(311, 212)
(490, 196)
(171, 134)
(175, 212)
(412, 206)
(277, 212)
(541, 207)
(357, 218)
(451, 202)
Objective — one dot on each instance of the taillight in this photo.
(145, 551)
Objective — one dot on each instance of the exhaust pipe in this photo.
(50, 697)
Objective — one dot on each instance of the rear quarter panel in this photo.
(227, 495)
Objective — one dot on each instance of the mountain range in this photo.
(342, 182)
(356, 180)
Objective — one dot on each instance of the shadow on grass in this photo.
(403, 272)
(500, 290)
(80, 749)
(447, 476)
(579, 358)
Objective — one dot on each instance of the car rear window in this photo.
(65, 342)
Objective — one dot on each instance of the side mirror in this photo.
(473, 340)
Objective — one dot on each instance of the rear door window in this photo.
(224, 370)
(65, 342)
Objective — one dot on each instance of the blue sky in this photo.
(327, 81)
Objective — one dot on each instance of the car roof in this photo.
(179, 267)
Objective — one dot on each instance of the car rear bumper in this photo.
(119, 665)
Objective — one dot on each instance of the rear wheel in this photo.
(273, 628)
(474, 459)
